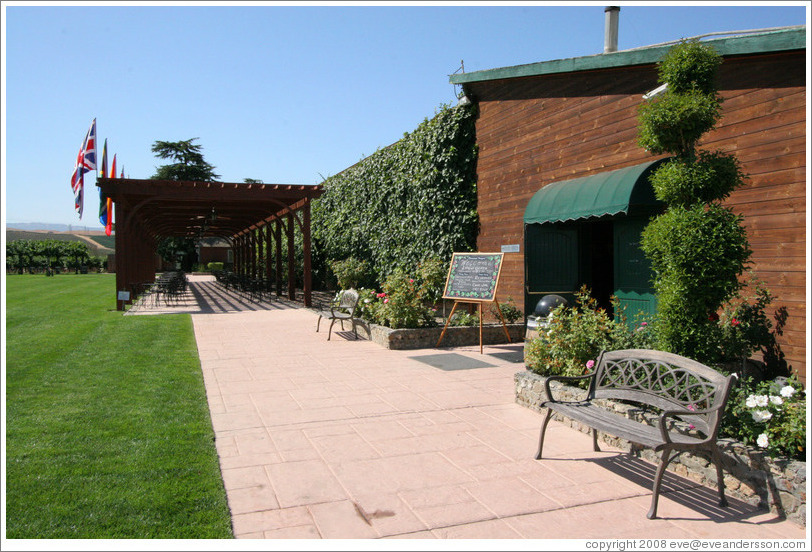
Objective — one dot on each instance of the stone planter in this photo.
(426, 338)
(777, 484)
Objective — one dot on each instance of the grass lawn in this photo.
(108, 433)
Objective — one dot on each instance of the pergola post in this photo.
(252, 244)
(268, 257)
(308, 279)
(291, 260)
(278, 244)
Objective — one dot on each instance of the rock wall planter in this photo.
(455, 336)
(777, 484)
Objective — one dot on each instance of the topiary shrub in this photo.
(698, 249)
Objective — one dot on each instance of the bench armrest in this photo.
(563, 379)
(674, 413)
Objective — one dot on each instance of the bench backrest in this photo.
(347, 300)
(665, 381)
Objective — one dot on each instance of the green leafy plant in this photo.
(214, 266)
(432, 274)
(367, 304)
(462, 318)
(510, 312)
(770, 415)
(399, 304)
(351, 272)
(575, 336)
(744, 324)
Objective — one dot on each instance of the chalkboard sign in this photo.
(473, 276)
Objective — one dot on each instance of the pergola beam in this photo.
(147, 210)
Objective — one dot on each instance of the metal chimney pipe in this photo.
(610, 29)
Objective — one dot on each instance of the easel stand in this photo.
(454, 308)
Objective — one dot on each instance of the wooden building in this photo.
(561, 175)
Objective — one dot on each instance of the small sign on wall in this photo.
(510, 248)
(123, 295)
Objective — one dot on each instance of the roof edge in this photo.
(793, 38)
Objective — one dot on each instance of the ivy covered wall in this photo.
(411, 201)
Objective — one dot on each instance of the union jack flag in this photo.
(85, 162)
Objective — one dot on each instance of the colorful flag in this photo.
(108, 227)
(102, 198)
(89, 156)
(85, 161)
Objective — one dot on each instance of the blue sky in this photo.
(283, 93)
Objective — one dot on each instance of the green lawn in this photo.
(108, 428)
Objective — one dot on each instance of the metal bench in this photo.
(687, 397)
(341, 309)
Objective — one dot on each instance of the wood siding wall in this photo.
(537, 130)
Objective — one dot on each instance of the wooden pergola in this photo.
(246, 215)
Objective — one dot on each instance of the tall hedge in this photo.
(411, 201)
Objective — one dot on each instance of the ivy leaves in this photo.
(411, 201)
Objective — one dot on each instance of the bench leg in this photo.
(717, 459)
(664, 461)
(543, 430)
(330, 331)
(317, 324)
(595, 446)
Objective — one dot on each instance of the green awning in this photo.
(603, 194)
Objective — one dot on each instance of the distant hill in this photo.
(98, 243)
(52, 227)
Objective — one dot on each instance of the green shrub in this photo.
(770, 415)
(510, 312)
(432, 274)
(399, 304)
(576, 335)
(697, 248)
(463, 318)
(675, 122)
(712, 176)
(690, 67)
(697, 254)
(745, 326)
(351, 272)
(367, 304)
(215, 266)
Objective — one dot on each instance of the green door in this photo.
(633, 277)
(551, 262)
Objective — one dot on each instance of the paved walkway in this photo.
(345, 439)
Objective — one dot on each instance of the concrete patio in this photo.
(346, 439)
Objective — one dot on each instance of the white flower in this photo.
(787, 391)
(762, 400)
(751, 401)
(777, 401)
(762, 440)
(761, 415)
